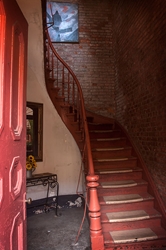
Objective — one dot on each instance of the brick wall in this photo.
(92, 58)
(139, 29)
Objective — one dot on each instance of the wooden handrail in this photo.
(65, 80)
(82, 106)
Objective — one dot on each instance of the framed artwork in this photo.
(62, 22)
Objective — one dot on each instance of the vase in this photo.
(29, 173)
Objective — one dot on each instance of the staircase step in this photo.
(111, 142)
(108, 153)
(101, 134)
(51, 80)
(126, 216)
(90, 120)
(115, 163)
(121, 183)
(119, 170)
(144, 238)
(130, 219)
(100, 126)
(60, 99)
(123, 199)
(122, 187)
(72, 117)
(129, 201)
(119, 174)
(55, 91)
(135, 235)
(65, 106)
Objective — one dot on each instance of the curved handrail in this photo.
(82, 107)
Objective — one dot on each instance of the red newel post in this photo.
(97, 241)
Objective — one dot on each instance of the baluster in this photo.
(78, 106)
(48, 55)
(57, 79)
(52, 65)
(73, 95)
(68, 84)
(63, 80)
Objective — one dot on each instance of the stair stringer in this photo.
(63, 109)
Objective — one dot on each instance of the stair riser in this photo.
(140, 189)
(131, 224)
(66, 109)
(100, 126)
(75, 126)
(72, 117)
(111, 154)
(113, 134)
(60, 99)
(146, 245)
(108, 144)
(137, 246)
(126, 206)
(131, 163)
(120, 176)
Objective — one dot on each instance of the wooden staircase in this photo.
(132, 215)
(125, 209)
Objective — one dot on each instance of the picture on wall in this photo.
(62, 21)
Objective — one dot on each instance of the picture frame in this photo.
(62, 22)
(34, 130)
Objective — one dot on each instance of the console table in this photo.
(45, 179)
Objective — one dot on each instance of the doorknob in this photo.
(29, 200)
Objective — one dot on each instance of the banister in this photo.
(89, 153)
(97, 242)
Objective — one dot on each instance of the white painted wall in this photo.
(60, 152)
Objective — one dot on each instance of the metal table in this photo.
(45, 179)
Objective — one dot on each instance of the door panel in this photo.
(13, 56)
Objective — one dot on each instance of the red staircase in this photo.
(125, 210)
(132, 214)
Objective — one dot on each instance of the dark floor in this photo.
(46, 231)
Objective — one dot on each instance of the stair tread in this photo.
(139, 235)
(100, 123)
(65, 105)
(119, 170)
(60, 97)
(114, 159)
(136, 235)
(122, 183)
(108, 139)
(126, 216)
(104, 130)
(122, 199)
(110, 149)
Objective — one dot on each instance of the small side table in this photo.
(45, 179)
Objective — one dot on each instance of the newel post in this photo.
(97, 241)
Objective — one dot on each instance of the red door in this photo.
(13, 56)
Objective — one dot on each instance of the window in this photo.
(34, 124)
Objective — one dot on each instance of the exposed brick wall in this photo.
(139, 29)
(92, 58)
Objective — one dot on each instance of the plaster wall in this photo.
(60, 152)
